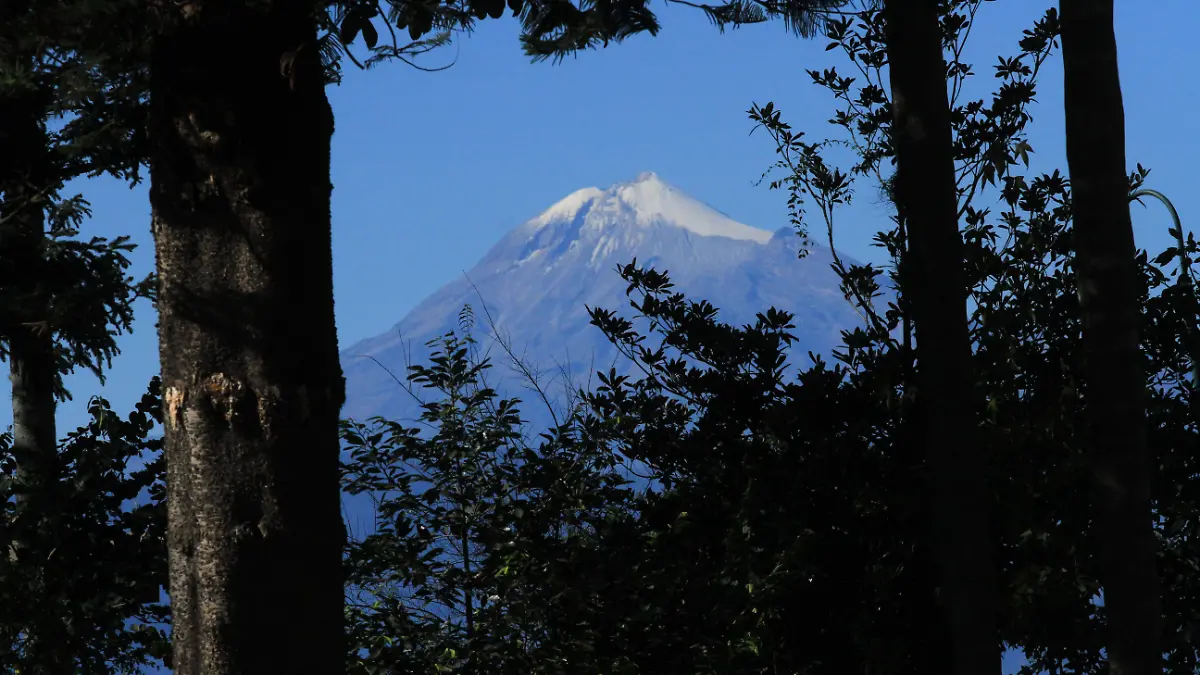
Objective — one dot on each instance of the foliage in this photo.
(808, 496)
(69, 111)
(82, 293)
(437, 506)
(550, 29)
(784, 528)
(785, 503)
(98, 561)
(454, 575)
(92, 84)
(1024, 326)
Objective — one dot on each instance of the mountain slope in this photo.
(537, 281)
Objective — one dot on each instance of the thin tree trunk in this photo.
(26, 331)
(24, 177)
(240, 192)
(29, 338)
(934, 280)
(32, 371)
(1108, 282)
(464, 542)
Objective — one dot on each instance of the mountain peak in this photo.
(650, 201)
(539, 280)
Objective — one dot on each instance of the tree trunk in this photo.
(252, 389)
(1108, 282)
(32, 372)
(24, 328)
(28, 336)
(934, 280)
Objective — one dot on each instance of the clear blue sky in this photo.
(430, 169)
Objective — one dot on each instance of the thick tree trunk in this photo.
(934, 281)
(1107, 275)
(252, 388)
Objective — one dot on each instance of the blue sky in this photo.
(430, 169)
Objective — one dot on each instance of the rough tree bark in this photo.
(934, 280)
(240, 191)
(1108, 282)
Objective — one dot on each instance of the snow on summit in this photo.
(566, 208)
(649, 200)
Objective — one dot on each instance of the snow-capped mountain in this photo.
(537, 281)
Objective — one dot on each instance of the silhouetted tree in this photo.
(1109, 292)
(925, 193)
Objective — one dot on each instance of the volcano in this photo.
(536, 283)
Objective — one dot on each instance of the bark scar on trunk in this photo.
(225, 393)
(173, 398)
